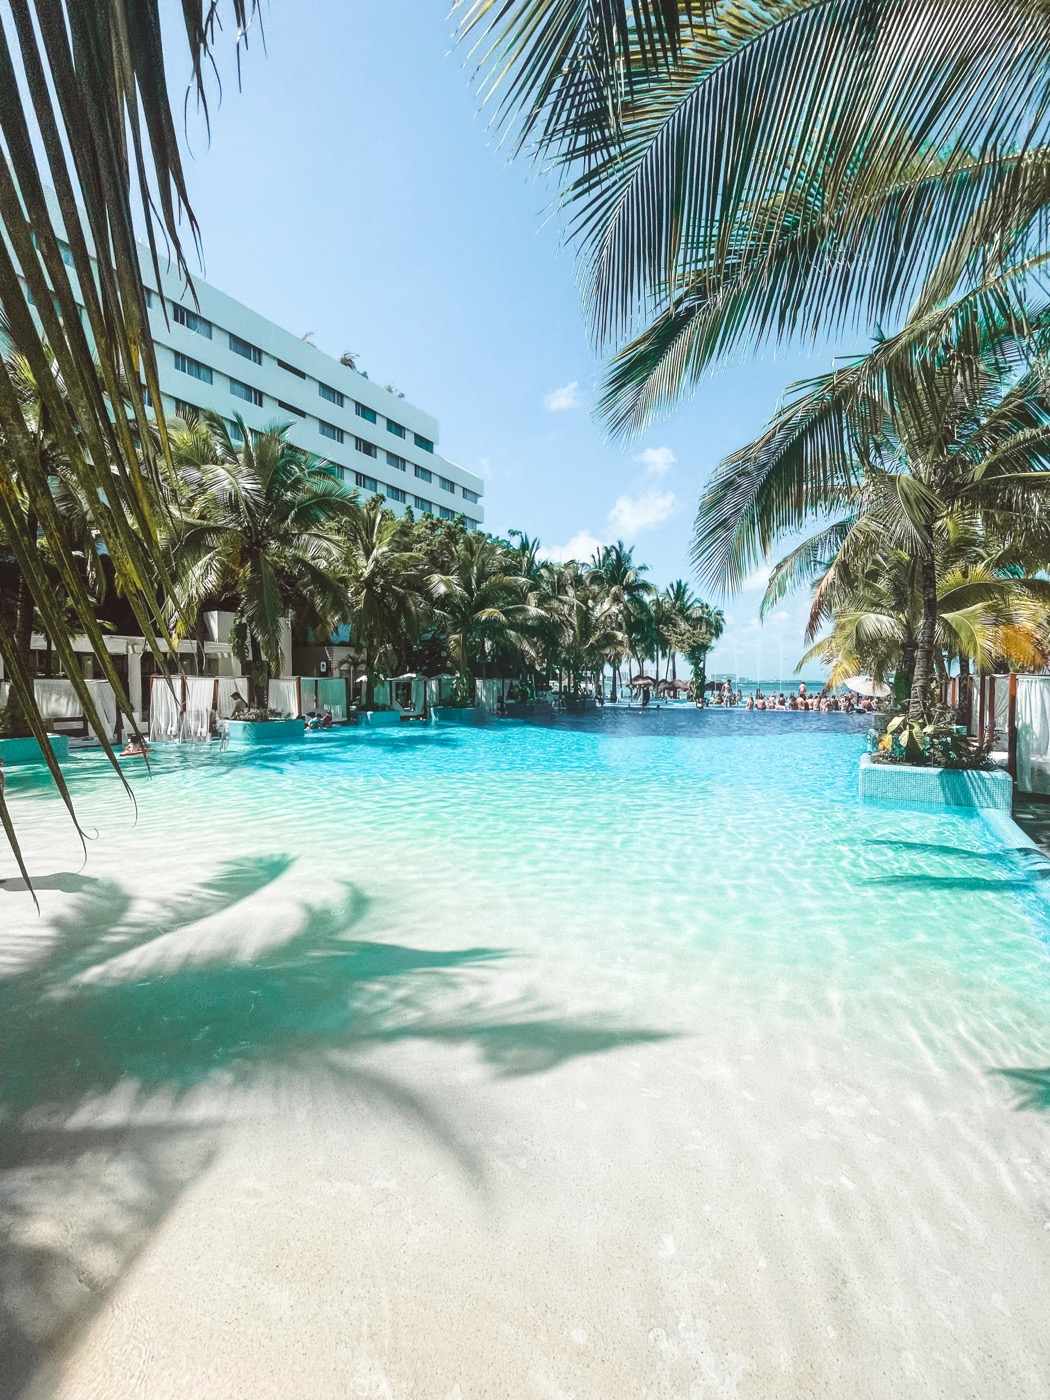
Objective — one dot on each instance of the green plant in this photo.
(937, 744)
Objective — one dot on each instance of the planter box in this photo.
(458, 714)
(249, 732)
(914, 786)
(18, 751)
(380, 718)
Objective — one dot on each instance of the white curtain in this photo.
(165, 708)
(284, 697)
(1033, 733)
(57, 699)
(308, 686)
(489, 694)
(106, 704)
(381, 693)
(200, 693)
(1001, 717)
(227, 685)
(331, 695)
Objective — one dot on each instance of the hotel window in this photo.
(290, 408)
(447, 485)
(424, 473)
(422, 505)
(368, 448)
(329, 430)
(393, 460)
(423, 442)
(396, 494)
(471, 496)
(395, 428)
(447, 514)
(191, 320)
(283, 364)
(246, 392)
(235, 430)
(194, 368)
(186, 410)
(366, 483)
(333, 469)
(363, 411)
(245, 348)
(332, 395)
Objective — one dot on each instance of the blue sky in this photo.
(352, 189)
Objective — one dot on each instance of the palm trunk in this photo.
(903, 676)
(259, 674)
(920, 687)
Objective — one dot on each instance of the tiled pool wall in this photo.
(900, 783)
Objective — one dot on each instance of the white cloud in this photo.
(757, 581)
(561, 400)
(581, 547)
(632, 514)
(657, 461)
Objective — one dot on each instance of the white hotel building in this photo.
(220, 355)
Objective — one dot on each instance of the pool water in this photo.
(626, 1055)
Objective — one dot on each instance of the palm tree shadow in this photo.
(1032, 1087)
(77, 1207)
(137, 1001)
(956, 852)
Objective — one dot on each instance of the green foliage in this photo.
(937, 744)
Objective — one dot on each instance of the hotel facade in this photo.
(215, 353)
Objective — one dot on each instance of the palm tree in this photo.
(984, 618)
(480, 601)
(586, 622)
(256, 525)
(954, 427)
(383, 584)
(680, 602)
(739, 173)
(49, 540)
(694, 637)
(627, 592)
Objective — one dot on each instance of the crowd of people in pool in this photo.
(824, 702)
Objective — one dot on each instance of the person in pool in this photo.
(136, 747)
(240, 705)
(750, 703)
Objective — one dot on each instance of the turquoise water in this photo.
(618, 845)
(645, 998)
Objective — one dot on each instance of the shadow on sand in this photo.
(1031, 1087)
(135, 1008)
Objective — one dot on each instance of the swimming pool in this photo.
(626, 1056)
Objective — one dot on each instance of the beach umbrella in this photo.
(864, 685)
